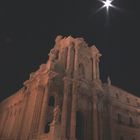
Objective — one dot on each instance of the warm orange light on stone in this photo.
(66, 100)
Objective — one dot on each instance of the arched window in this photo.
(51, 101)
(47, 127)
(79, 126)
(119, 118)
(57, 54)
(81, 71)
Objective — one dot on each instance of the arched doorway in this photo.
(51, 101)
(79, 126)
(47, 127)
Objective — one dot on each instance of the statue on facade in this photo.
(56, 114)
(53, 55)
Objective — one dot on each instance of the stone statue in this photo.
(53, 55)
(56, 114)
(58, 38)
(109, 80)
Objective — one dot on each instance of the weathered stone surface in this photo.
(66, 100)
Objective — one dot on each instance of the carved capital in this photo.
(52, 75)
(53, 55)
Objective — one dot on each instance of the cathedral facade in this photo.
(65, 99)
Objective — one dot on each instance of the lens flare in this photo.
(106, 4)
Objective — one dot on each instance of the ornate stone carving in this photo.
(58, 38)
(53, 55)
(52, 75)
(56, 114)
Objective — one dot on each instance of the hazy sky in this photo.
(28, 30)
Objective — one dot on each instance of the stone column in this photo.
(7, 123)
(29, 108)
(13, 123)
(18, 122)
(95, 118)
(70, 61)
(97, 70)
(73, 112)
(55, 131)
(111, 122)
(2, 123)
(1, 118)
(42, 120)
(74, 98)
(39, 107)
(37, 111)
(22, 113)
(5, 117)
(63, 57)
(14, 127)
(64, 109)
(94, 68)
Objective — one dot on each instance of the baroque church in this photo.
(65, 99)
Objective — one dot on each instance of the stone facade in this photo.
(66, 100)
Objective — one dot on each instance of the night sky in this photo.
(28, 30)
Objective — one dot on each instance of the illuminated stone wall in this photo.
(66, 100)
